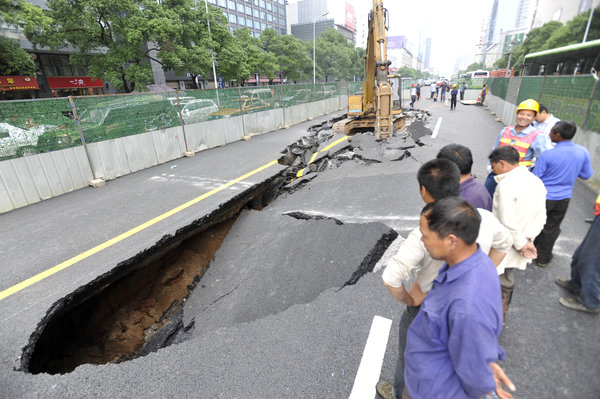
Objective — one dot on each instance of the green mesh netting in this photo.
(498, 87)
(35, 126)
(531, 87)
(567, 97)
(593, 120)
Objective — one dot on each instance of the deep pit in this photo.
(137, 308)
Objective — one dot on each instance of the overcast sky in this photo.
(455, 26)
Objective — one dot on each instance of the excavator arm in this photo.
(373, 109)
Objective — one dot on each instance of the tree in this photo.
(116, 39)
(358, 63)
(334, 55)
(289, 52)
(534, 41)
(15, 61)
(574, 31)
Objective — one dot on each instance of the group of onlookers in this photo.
(455, 272)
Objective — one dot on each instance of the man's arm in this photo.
(586, 170)
(414, 297)
(501, 378)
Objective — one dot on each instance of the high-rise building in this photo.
(256, 15)
(427, 59)
(323, 14)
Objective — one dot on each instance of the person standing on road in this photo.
(443, 92)
(482, 94)
(418, 91)
(520, 205)
(438, 178)
(453, 342)
(559, 169)
(432, 88)
(463, 88)
(585, 271)
(453, 96)
(413, 95)
(544, 123)
(526, 139)
(470, 189)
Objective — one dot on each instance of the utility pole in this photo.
(587, 28)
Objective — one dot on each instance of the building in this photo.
(559, 10)
(323, 14)
(256, 15)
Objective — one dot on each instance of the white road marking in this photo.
(437, 128)
(372, 359)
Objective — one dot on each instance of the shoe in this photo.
(566, 284)
(573, 304)
(541, 264)
(384, 389)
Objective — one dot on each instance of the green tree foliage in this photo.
(334, 55)
(535, 40)
(116, 39)
(290, 54)
(14, 60)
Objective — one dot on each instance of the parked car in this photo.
(247, 105)
(297, 96)
(15, 141)
(198, 110)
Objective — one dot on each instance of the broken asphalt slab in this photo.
(269, 262)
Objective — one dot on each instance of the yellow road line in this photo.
(314, 156)
(53, 270)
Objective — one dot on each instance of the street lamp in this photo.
(314, 52)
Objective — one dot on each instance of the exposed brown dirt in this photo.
(116, 324)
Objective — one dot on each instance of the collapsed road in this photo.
(148, 301)
(309, 344)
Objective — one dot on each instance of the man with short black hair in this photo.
(520, 205)
(453, 341)
(410, 272)
(559, 169)
(544, 122)
(470, 189)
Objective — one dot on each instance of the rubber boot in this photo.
(506, 298)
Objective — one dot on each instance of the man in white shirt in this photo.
(438, 178)
(545, 122)
(520, 205)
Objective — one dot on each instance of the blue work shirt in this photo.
(454, 338)
(560, 167)
(536, 148)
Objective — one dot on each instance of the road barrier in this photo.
(52, 146)
(575, 98)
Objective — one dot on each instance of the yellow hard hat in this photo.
(454, 85)
(530, 105)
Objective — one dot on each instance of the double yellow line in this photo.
(314, 156)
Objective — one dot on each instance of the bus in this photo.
(574, 59)
(480, 74)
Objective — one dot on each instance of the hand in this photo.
(501, 378)
(529, 251)
(417, 294)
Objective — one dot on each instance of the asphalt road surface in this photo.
(289, 307)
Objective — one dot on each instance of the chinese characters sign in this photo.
(18, 83)
(73, 82)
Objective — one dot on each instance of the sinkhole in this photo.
(137, 308)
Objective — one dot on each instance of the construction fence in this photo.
(44, 125)
(575, 98)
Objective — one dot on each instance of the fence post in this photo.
(96, 181)
(244, 136)
(285, 126)
(187, 153)
(589, 107)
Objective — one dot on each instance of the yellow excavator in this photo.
(372, 110)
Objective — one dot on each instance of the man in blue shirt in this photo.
(453, 341)
(558, 169)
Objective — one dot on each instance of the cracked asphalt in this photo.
(280, 323)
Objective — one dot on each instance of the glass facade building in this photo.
(256, 15)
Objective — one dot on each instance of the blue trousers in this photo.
(490, 184)
(585, 267)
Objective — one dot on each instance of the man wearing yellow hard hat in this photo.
(526, 139)
(453, 96)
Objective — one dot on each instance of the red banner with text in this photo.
(73, 82)
(18, 83)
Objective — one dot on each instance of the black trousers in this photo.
(544, 242)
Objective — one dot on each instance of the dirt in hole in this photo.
(113, 325)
